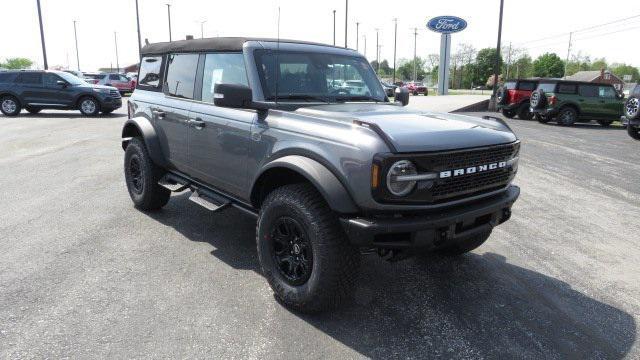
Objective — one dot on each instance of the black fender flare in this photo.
(142, 127)
(322, 178)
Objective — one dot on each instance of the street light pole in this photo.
(346, 21)
(377, 53)
(395, 40)
(334, 28)
(44, 48)
(169, 16)
(139, 36)
(202, 29)
(115, 38)
(415, 50)
(75, 33)
(496, 68)
(357, 36)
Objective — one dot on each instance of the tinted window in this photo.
(566, 89)
(114, 77)
(588, 90)
(123, 78)
(222, 69)
(606, 92)
(548, 88)
(29, 78)
(7, 77)
(51, 80)
(150, 70)
(181, 75)
(527, 86)
(95, 76)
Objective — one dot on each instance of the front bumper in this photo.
(432, 230)
(110, 103)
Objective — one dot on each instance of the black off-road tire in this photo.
(32, 110)
(142, 183)
(510, 114)
(89, 110)
(605, 123)
(10, 106)
(524, 113)
(466, 245)
(542, 119)
(633, 132)
(501, 95)
(567, 116)
(334, 261)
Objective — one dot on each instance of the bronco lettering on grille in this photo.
(473, 169)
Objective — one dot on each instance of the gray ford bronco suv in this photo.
(330, 171)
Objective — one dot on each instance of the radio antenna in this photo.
(277, 65)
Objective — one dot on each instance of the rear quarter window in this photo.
(150, 75)
(566, 89)
(527, 86)
(547, 87)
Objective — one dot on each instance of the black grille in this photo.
(455, 187)
(114, 93)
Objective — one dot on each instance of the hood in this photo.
(94, 86)
(411, 130)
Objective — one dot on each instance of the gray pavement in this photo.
(85, 275)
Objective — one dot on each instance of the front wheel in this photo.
(142, 176)
(303, 252)
(633, 132)
(524, 112)
(508, 113)
(89, 106)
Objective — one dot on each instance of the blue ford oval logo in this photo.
(446, 24)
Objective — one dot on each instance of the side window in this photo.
(7, 77)
(527, 86)
(123, 78)
(114, 77)
(222, 69)
(181, 75)
(566, 89)
(50, 80)
(150, 72)
(588, 90)
(607, 92)
(29, 78)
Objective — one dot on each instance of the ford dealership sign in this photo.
(446, 24)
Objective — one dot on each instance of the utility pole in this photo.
(75, 33)
(115, 38)
(139, 36)
(568, 53)
(44, 48)
(169, 16)
(202, 29)
(357, 36)
(395, 40)
(334, 28)
(496, 68)
(415, 50)
(508, 62)
(346, 21)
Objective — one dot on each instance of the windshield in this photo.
(317, 77)
(70, 78)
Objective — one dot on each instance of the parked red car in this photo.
(416, 88)
(512, 98)
(121, 82)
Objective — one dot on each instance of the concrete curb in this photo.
(479, 106)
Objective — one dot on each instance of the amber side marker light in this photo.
(375, 176)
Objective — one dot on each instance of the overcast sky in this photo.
(524, 22)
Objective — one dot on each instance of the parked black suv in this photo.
(37, 90)
(632, 113)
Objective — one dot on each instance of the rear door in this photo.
(589, 100)
(172, 116)
(219, 138)
(29, 85)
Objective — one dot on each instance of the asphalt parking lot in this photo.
(83, 274)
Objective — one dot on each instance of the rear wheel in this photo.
(465, 246)
(142, 176)
(10, 106)
(524, 112)
(567, 116)
(633, 132)
(509, 113)
(303, 251)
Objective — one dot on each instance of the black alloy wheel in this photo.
(292, 252)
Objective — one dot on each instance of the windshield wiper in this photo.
(359, 98)
(301, 97)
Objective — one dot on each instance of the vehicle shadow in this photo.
(474, 306)
(70, 115)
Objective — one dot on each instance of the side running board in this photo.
(173, 183)
(208, 200)
(201, 196)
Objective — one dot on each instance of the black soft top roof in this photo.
(211, 44)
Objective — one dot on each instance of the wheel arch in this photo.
(142, 128)
(12, 94)
(296, 168)
(572, 105)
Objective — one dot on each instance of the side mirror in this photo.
(402, 96)
(61, 83)
(232, 96)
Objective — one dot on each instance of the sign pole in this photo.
(443, 68)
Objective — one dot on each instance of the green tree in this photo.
(16, 63)
(522, 68)
(548, 65)
(620, 70)
(599, 64)
(405, 69)
(485, 61)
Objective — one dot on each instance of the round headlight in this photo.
(395, 182)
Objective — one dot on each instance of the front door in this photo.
(54, 93)
(611, 104)
(219, 138)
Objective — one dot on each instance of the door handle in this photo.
(197, 123)
(159, 114)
